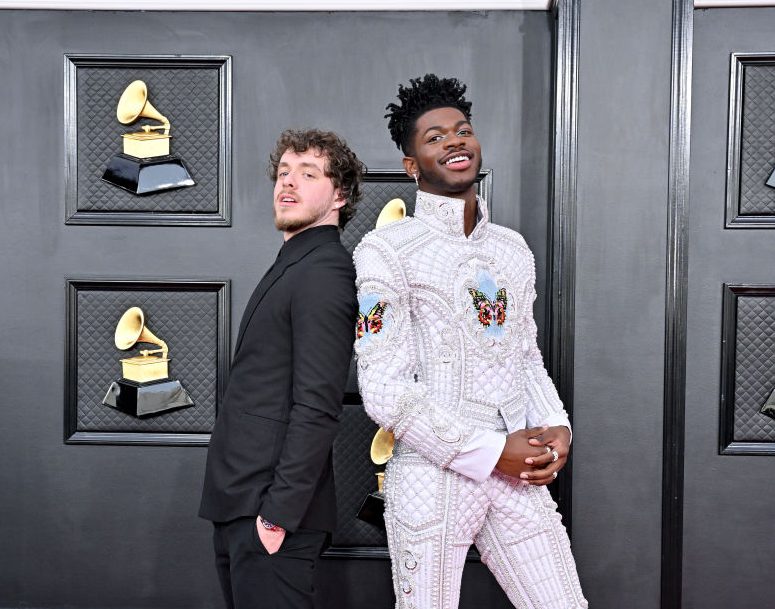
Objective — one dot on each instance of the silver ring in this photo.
(548, 450)
(555, 456)
(554, 475)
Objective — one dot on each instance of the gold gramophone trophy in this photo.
(146, 165)
(373, 507)
(145, 387)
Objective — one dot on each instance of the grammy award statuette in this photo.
(145, 387)
(373, 507)
(145, 166)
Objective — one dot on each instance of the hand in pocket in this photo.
(271, 540)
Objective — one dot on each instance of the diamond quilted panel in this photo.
(417, 493)
(757, 145)
(755, 368)
(375, 195)
(188, 97)
(186, 320)
(355, 479)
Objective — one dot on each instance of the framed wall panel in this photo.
(193, 92)
(355, 478)
(747, 370)
(750, 203)
(191, 316)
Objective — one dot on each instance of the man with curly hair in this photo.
(269, 487)
(453, 370)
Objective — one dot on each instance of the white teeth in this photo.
(456, 159)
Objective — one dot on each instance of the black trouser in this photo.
(253, 579)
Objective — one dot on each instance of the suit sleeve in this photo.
(544, 406)
(323, 309)
(390, 374)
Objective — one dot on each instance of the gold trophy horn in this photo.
(394, 210)
(145, 367)
(381, 452)
(134, 104)
(382, 446)
(131, 329)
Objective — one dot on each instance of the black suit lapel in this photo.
(267, 281)
(297, 248)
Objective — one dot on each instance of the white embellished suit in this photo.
(448, 361)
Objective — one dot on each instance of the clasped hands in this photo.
(525, 455)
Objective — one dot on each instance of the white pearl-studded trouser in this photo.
(432, 517)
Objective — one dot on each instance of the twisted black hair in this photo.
(423, 94)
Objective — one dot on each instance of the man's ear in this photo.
(411, 167)
(339, 201)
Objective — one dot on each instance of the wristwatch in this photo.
(268, 525)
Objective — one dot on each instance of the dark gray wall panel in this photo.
(750, 201)
(748, 369)
(196, 141)
(623, 149)
(757, 138)
(112, 526)
(728, 499)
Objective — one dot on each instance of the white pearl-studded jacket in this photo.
(446, 341)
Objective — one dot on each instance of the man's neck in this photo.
(469, 215)
(325, 222)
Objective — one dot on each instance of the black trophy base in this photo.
(769, 406)
(373, 510)
(147, 176)
(771, 180)
(147, 399)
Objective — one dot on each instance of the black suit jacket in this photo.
(270, 451)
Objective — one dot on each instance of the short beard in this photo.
(291, 225)
(288, 225)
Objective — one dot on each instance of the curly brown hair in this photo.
(342, 166)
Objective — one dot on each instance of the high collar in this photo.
(446, 214)
(308, 239)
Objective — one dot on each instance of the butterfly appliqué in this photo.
(371, 322)
(490, 312)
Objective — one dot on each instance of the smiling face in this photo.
(304, 196)
(445, 153)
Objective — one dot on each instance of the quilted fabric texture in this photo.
(434, 515)
(757, 145)
(355, 479)
(452, 356)
(376, 193)
(419, 378)
(754, 368)
(188, 97)
(186, 320)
